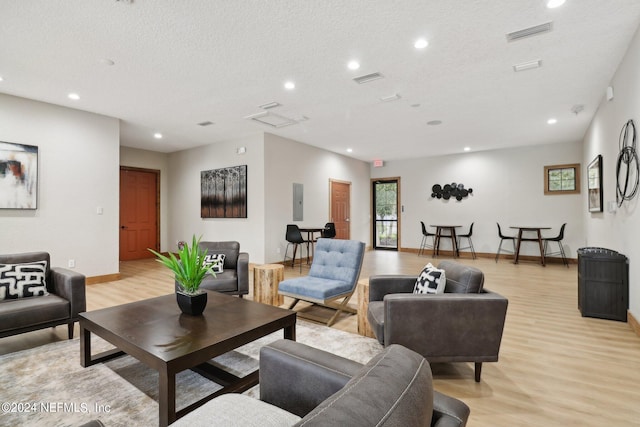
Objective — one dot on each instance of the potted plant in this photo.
(189, 269)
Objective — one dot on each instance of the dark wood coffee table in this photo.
(155, 332)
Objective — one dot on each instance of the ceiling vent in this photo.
(368, 78)
(271, 119)
(531, 31)
(527, 65)
(269, 105)
(207, 123)
(390, 98)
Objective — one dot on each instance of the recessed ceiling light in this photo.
(467, 148)
(289, 85)
(1, 79)
(349, 150)
(421, 43)
(353, 65)
(157, 135)
(552, 121)
(434, 122)
(552, 4)
(73, 96)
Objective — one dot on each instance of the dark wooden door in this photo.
(138, 213)
(341, 208)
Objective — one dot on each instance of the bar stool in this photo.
(468, 237)
(425, 237)
(294, 237)
(502, 239)
(557, 239)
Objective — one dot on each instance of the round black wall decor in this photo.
(457, 191)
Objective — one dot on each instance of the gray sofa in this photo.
(464, 324)
(65, 301)
(301, 385)
(234, 279)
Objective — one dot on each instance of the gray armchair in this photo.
(464, 324)
(65, 301)
(301, 385)
(234, 279)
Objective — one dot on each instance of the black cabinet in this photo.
(603, 283)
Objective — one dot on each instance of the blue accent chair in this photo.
(332, 278)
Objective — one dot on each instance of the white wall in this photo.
(508, 188)
(134, 157)
(617, 230)
(288, 162)
(184, 204)
(78, 172)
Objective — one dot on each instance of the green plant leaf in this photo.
(188, 268)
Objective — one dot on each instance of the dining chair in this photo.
(329, 231)
(502, 239)
(294, 238)
(557, 239)
(469, 241)
(425, 237)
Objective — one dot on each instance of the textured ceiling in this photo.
(178, 63)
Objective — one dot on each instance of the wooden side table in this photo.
(363, 304)
(266, 278)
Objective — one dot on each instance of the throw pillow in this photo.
(430, 281)
(23, 280)
(216, 261)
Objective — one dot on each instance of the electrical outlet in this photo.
(278, 250)
(72, 263)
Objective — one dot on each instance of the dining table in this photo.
(538, 238)
(448, 232)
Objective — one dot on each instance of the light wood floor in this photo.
(556, 368)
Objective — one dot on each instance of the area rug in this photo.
(46, 386)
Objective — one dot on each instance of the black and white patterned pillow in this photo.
(431, 280)
(23, 280)
(215, 260)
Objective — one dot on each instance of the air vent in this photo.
(390, 98)
(269, 105)
(531, 31)
(368, 78)
(271, 119)
(527, 65)
(207, 123)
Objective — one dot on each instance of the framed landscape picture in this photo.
(223, 193)
(594, 174)
(18, 176)
(562, 179)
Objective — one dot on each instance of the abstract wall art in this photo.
(18, 176)
(223, 193)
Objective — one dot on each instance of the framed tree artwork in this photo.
(594, 177)
(223, 192)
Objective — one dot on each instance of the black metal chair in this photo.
(502, 239)
(294, 237)
(329, 231)
(470, 242)
(425, 237)
(557, 239)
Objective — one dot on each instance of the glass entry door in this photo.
(385, 208)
